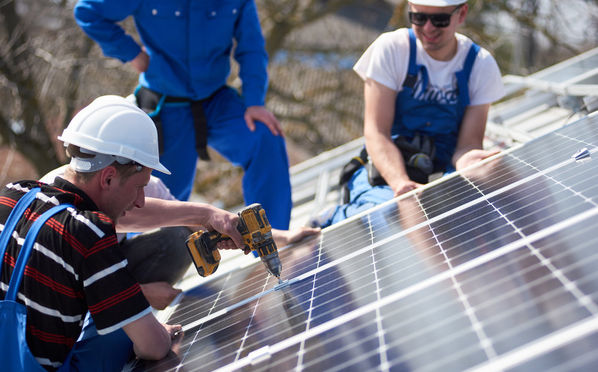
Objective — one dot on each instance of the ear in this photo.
(107, 177)
(463, 12)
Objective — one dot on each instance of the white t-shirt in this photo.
(387, 59)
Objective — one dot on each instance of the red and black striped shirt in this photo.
(75, 266)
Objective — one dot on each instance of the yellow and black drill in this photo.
(257, 235)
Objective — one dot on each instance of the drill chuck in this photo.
(273, 264)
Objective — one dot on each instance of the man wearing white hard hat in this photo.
(59, 246)
(427, 94)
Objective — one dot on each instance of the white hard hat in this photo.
(439, 3)
(111, 125)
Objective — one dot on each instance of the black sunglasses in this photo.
(438, 19)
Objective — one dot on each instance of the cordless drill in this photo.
(257, 235)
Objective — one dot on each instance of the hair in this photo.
(124, 170)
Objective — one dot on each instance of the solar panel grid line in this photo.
(541, 346)
(186, 353)
(222, 312)
(216, 357)
(211, 314)
(529, 325)
(471, 238)
(257, 302)
(250, 287)
(578, 363)
(479, 330)
(420, 286)
(309, 310)
(505, 295)
(440, 362)
(569, 285)
(577, 139)
(384, 365)
(353, 351)
(225, 322)
(587, 199)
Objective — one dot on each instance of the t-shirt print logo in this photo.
(434, 94)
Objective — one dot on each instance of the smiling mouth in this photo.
(431, 37)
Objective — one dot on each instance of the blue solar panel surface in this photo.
(492, 269)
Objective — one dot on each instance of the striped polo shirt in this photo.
(75, 266)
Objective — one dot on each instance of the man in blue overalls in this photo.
(184, 65)
(427, 94)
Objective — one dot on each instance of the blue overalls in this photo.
(417, 109)
(190, 43)
(14, 353)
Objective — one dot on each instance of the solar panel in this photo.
(491, 269)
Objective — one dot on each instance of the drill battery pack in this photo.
(205, 256)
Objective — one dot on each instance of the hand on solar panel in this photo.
(474, 156)
(405, 186)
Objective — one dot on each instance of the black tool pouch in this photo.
(149, 102)
(418, 155)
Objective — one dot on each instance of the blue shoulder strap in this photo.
(412, 69)
(17, 274)
(465, 73)
(12, 220)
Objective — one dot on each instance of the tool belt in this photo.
(418, 155)
(152, 102)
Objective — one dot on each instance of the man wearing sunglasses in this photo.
(427, 94)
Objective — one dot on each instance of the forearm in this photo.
(161, 213)
(378, 121)
(99, 21)
(388, 160)
(471, 136)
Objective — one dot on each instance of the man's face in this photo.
(126, 194)
(439, 41)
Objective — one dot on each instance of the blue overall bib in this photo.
(14, 353)
(416, 111)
